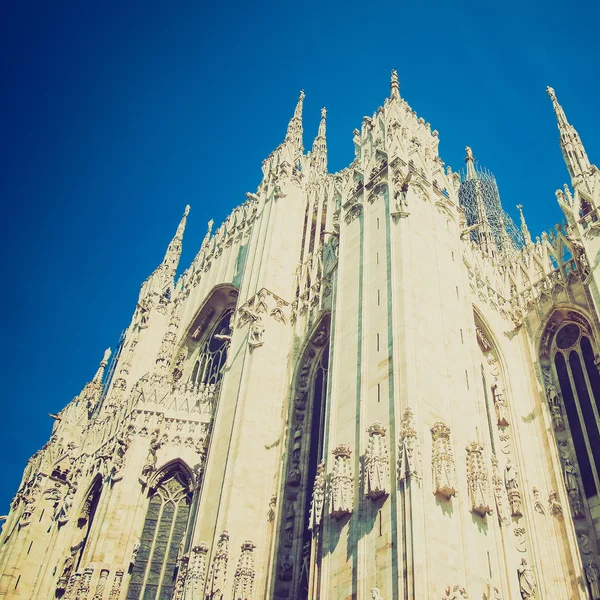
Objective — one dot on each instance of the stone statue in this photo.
(570, 476)
(593, 576)
(257, 330)
(500, 406)
(375, 594)
(318, 499)
(527, 581)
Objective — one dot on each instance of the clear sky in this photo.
(115, 115)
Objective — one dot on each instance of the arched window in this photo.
(153, 575)
(208, 368)
(579, 381)
(299, 550)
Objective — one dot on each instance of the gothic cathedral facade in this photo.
(367, 384)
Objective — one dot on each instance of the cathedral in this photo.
(368, 384)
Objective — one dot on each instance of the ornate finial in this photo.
(551, 93)
(395, 89)
(186, 212)
(469, 153)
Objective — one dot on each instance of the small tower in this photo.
(570, 143)
(318, 157)
(524, 228)
(293, 137)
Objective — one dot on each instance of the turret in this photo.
(570, 143)
(318, 157)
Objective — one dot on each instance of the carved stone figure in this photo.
(318, 498)
(444, 471)
(456, 593)
(554, 404)
(537, 503)
(527, 580)
(500, 494)
(500, 406)
(409, 458)
(377, 464)
(136, 548)
(512, 487)
(375, 594)
(342, 482)
(286, 569)
(215, 587)
(554, 503)
(593, 578)
(243, 582)
(150, 463)
(255, 337)
(477, 480)
(573, 491)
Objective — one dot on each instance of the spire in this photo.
(394, 87)
(318, 158)
(173, 253)
(100, 372)
(572, 148)
(294, 130)
(524, 228)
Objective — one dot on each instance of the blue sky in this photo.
(114, 116)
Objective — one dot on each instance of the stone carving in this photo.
(255, 337)
(196, 571)
(572, 485)
(554, 503)
(84, 586)
(101, 585)
(243, 582)
(342, 482)
(286, 569)
(150, 463)
(512, 487)
(182, 569)
(477, 480)
(593, 578)
(583, 540)
(409, 456)
(456, 593)
(318, 498)
(527, 580)
(537, 503)
(554, 404)
(271, 511)
(375, 594)
(215, 587)
(500, 405)
(62, 514)
(115, 590)
(444, 471)
(500, 494)
(377, 464)
(67, 568)
(136, 548)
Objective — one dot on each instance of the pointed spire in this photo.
(294, 130)
(100, 372)
(394, 86)
(524, 228)
(572, 148)
(318, 158)
(173, 253)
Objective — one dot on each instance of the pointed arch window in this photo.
(208, 368)
(153, 575)
(579, 383)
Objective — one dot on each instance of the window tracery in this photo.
(154, 572)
